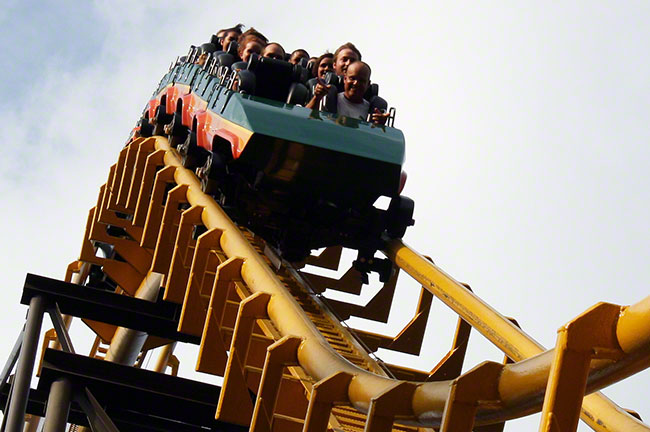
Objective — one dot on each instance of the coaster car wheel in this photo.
(160, 119)
(400, 216)
(294, 253)
(146, 130)
(188, 151)
(176, 132)
(210, 174)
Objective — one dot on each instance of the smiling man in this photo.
(350, 101)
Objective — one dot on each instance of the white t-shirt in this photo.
(351, 109)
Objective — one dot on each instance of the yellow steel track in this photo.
(264, 328)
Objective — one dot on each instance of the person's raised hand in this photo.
(379, 117)
(321, 90)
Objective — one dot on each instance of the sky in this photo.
(526, 126)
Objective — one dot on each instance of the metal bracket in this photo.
(61, 331)
(11, 361)
(97, 417)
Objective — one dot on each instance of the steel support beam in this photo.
(11, 361)
(18, 402)
(127, 343)
(58, 406)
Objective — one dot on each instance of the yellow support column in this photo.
(325, 393)
(179, 269)
(591, 335)
(282, 353)
(145, 148)
(168, 230)
(127, 172)
(478, 386)
(156, 207)
(116, 181)
(235, 405)
(154, 160)
(199, 284)
(392, 402)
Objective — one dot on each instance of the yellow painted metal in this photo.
(520, 385)
(130, 250)
(228, 273)
(179, 270)
(168, 230)
(127, 172)
(201, 290)
(590, 335)
(174, 364)
(199, 284)
(154, 160)
(124, 274)
(597, 411)
(156, 209)
(279, 355)
(320, 361)
(477, 387)
(234, 404)
(165, 354)
(145, 148)
(116, 180)
(393, 402)
(325, 393)
(633, 330)
(409, 339)
(110, 217)
(451, 365)
(31, 423)
(494, 326)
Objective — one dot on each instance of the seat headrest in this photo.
(372, 91)
(240, 65)
(310, 65)
(274, 77)
(232, 48)
(225, 59)
(208, 48)
(333, 78)
(379, 103)
(298, 94)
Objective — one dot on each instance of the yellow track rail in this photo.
(239, 297)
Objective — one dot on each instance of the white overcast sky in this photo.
(526, 125)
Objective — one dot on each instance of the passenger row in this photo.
(337, 83)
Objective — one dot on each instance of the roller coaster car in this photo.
(300, 178)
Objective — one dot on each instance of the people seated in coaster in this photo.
(350, 102)
(251, 41)
(253, 32)
(206, 48)
(322, 65)
(225, 36)
(344, 56)
(273, 50)
(298, 55)
(317, 86)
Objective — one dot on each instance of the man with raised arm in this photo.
(350, 101)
